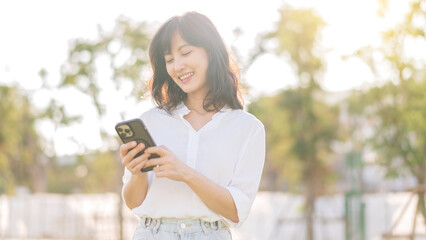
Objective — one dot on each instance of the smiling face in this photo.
(187, 66)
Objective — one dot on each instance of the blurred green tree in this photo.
(25, 155)
(101, 172)
(122, 52)
(85, 173)
(22, 162)
(300, 126)
(396, 107)
(125, 51)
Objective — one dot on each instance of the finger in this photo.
(137, 160)
(157, 168)
(127, 146)
(159, 171)
(160, 174)
(124, 148)
(132, 153)
(139, 166)
(159, 150)
(156, 161)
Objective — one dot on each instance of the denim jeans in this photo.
(182, 229)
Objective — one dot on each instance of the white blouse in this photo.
(229, 150)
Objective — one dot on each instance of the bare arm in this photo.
(134, 191)
(216, 197)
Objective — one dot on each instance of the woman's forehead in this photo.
(176, 43)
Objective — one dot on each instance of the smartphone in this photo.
(135, 130)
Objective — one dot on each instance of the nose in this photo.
(178, 64)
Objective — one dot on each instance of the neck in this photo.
(195, 103)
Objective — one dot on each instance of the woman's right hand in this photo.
(128, 152)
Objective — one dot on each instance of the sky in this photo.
(36, 34)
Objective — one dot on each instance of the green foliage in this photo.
(7, 183)
(397, 114)
(24, 153)
(125, 49)
(19, 142)
(25, 156)
(96, 172)
(296, 138)
(396, 110)
(297, 37)
(278, 139)
(103, 170)
(62, 179)
(122, 52)
(300, 127)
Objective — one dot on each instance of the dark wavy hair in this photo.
(222, 73)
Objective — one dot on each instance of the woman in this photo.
(211, 151)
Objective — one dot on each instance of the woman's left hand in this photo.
(167, 165)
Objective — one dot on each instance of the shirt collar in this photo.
(182, 109)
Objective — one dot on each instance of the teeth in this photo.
(186, 76)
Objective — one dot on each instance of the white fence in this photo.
(274, 215)
(52, 216)
(279, 216)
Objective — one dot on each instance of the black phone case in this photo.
(135, 130)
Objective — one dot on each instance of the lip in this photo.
(187, 79)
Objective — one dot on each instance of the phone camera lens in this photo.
(127, 130)
(120, 129)
(123, 135)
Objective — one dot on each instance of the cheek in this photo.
(169, 70)
(205, 62)
(205, 68)
(171, 74)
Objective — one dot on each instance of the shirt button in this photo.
(182, 225)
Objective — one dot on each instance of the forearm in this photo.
(134, 192)
(216, 197)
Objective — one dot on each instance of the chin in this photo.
(187, 90)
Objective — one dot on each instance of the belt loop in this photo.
(221, 224)
(214, 225)
(142, 222)
(156, 223)
(204, 226)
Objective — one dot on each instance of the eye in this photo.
(168, 57)
(187, 53)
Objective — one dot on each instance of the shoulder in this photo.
(246, 119)
(156, 118)
(154, 112)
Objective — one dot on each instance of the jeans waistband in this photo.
(179, 225)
